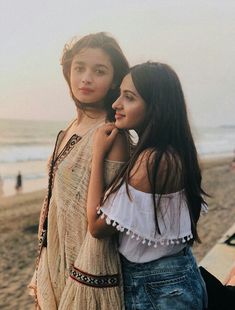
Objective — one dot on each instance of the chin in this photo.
(85, 101)
(119, 126)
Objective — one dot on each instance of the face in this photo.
(129, 107)
(91, 75)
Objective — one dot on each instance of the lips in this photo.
(86, 90)
(119, 116)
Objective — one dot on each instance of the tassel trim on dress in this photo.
(149, 242)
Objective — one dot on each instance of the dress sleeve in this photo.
(135, 216)
(111, 169)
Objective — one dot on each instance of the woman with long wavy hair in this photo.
(156, 200)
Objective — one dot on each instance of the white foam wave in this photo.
(15, 154)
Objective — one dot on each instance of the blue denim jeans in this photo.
(169, 283)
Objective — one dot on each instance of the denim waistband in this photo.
(182, 259)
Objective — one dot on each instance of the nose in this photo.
(87, 77)
(117, 104)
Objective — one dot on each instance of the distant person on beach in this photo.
(19, 184)
(156, 200)
(73, 269)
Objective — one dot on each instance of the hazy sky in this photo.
(197, 38)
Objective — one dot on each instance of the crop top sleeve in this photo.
(134, 218)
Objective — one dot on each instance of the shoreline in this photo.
(31, 185)
(34, 176)
(19, 215)
(208, 162)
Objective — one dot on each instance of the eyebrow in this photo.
(96, 65)
(129, 91)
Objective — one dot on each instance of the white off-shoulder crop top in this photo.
(139, 240)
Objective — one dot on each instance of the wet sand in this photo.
(34, 176)
(19, 218)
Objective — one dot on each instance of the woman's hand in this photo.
(103, 139)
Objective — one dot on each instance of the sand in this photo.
(19, 218)
(18, 225)
(219, 182)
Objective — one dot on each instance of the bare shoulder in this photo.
(139, 176)
(120, 148)
(167, 168)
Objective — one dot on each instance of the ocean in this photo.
(26, 145)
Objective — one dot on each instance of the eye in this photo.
(128, 97)
(79, 68)
(100, 71)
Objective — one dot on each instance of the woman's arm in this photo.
(113, 146)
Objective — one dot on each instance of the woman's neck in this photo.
(90, 117)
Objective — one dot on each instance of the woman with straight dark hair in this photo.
(71, 272)
(156, 200)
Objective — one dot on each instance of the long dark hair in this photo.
(111, 47)
(166, 133)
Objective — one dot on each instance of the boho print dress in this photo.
(75, 270)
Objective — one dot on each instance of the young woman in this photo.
(71, 272)
(156, 200)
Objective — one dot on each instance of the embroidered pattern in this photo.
(53, 168)
(68, 147)
(94, 280)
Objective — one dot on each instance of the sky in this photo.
(197, 38)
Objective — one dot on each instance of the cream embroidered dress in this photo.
(75, 270)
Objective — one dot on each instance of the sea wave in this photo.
(14, 154)
(7, 142)
(212, 147)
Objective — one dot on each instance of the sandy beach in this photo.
(19, 218)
